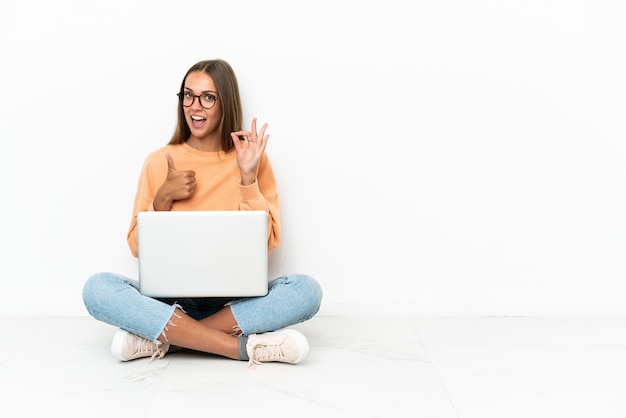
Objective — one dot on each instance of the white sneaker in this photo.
(285, 346)
(127, 346)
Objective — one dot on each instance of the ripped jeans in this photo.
(115, 300)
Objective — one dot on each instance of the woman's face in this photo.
(202, 122)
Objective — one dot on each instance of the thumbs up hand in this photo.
(178, 185)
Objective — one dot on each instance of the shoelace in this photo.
(265, 352)
(157, 352)
(148, 346)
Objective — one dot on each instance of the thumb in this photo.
(170, 162)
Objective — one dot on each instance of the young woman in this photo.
(210, 163)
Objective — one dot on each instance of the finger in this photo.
(241, 136)
(235, 137)
(254, 126)
(262, 134)
(263, 143)
(170, 162)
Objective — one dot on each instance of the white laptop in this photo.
(202, 253)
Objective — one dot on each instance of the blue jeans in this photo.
(115, 300)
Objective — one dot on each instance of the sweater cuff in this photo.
(251, 192)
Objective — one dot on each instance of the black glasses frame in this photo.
(181, 97)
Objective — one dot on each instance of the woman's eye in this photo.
(210, 97)
(188, 95)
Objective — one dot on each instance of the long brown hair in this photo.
(228, 91)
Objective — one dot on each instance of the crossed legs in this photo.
(213, 334)
(243, 329)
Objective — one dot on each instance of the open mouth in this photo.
(197, 121)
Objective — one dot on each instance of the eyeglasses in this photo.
(207, 100)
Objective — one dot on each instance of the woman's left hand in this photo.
(249, 155)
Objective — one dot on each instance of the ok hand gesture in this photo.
(249, 155)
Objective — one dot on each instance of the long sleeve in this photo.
(218, 187)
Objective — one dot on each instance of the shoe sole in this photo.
(116, 345)
(302, 342)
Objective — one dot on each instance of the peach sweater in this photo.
(218, 187)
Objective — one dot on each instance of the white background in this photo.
(433, 158)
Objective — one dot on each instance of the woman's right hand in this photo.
(178, 185)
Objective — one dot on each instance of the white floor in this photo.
(358, 367)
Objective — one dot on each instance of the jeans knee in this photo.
(91, 289)
(94, 284)
(97, 288)
(309, 292)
